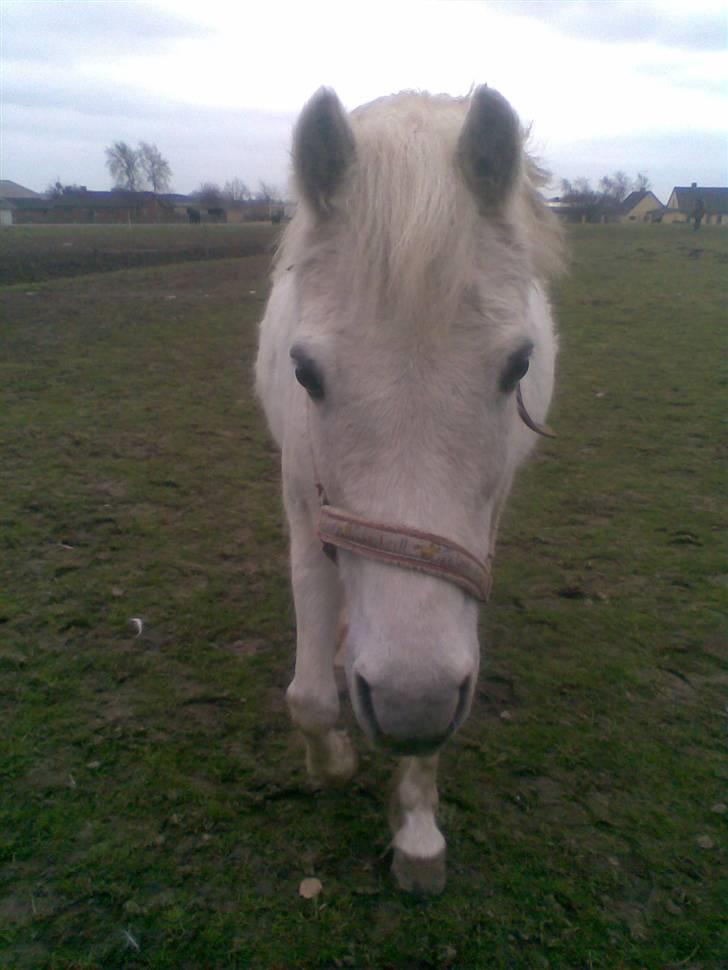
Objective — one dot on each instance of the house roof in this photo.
(634, 198)
(117, 199)
(11, 190)
(715, 198)
(175, 198)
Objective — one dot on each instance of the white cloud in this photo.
(694, 26)
(217, 85)
(67, 31)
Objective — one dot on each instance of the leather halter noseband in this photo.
(409, 548)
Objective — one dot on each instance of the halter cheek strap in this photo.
(408, 548)
(542, 429)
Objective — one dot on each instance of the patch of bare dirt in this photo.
(15, 911)
(113, 489)
(496, 698)
(247, 648)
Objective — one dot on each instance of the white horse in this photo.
(406, 359)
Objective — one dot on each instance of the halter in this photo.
(424, 552)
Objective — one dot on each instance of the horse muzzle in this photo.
(406, 723)
(409, 711)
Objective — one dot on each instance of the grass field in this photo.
(154, 811)
(31, 254)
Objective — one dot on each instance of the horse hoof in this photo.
(420, 875)
(337, 765)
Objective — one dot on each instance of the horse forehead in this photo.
(414, 109)
(410, 387)
(416, 349)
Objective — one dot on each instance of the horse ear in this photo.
(323, 148)
(489, 147)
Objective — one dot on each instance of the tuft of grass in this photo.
(153, 806)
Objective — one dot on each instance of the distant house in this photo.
(10, 193)
(120, 206)
(569, 211)
(22, 210)
(251, 210)
(683, 200)
(84, 206)
(189, 208)
(257, 210)
(11, 190)
(714, 199)
(638, 206)
(6, 212)
(117, 206)
(180, 203)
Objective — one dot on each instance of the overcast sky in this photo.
(607, 84)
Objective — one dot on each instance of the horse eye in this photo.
(308, 374)
(516, 368)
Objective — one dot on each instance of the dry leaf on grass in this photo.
(310, 888)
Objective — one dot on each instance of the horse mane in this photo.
(415, 240)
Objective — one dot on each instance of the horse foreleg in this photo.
(419, 846)
(312, 696)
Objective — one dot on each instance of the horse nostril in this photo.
(364, 693)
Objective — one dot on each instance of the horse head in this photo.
(413, 291)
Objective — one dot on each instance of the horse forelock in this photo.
(406, 235)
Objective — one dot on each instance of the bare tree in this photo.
(615, 188)
(579, 190)
(209, 194)
(236, 190)
(267, 192)
(580, 194)
(123, 163)
(56, 190)
(154, 166)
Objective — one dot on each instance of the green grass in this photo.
(154, 811)
(31, 254)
